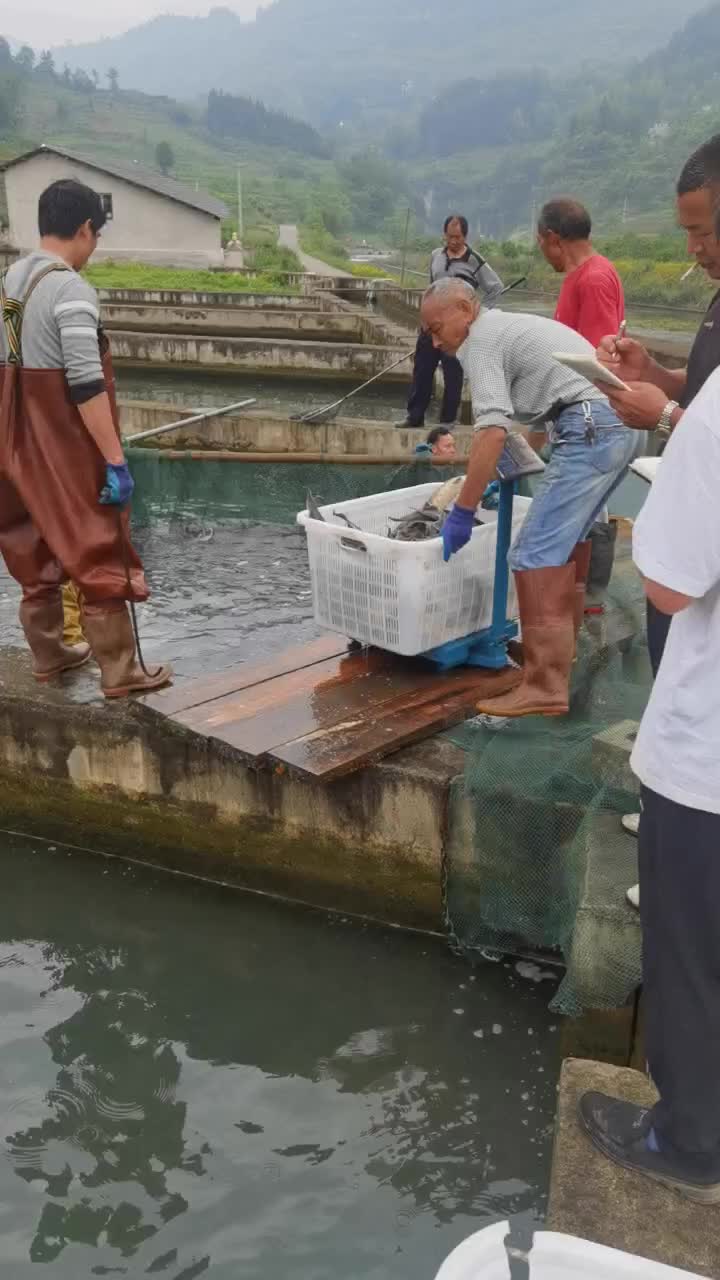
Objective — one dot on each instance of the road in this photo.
(289, 239)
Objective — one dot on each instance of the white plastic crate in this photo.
(401, 596)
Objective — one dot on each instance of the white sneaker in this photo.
(631, 823)
(633, 896)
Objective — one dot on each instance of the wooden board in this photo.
(192, 693)
(323, 712)
(343, 748)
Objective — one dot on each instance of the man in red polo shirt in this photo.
(591, 300)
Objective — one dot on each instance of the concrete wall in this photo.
(191, 298)
(243, 322)
(276, 355)
(123, 780)
(258, 431)
(146, 227)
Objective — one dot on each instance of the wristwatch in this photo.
(664, 424)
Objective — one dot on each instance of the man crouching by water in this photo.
(508, 359)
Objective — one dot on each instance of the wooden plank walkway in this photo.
(324, 713)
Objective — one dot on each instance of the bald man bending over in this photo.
(508, 359)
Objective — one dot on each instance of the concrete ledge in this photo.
(611, 753)
(249, 322)
(604, 953)
(206, 298)
(258, 430)
(592, 1198)
(271, 355)
(123, 780)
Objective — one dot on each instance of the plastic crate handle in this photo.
(352, 544)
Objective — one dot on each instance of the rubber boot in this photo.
(581, 559)
(43, 622)
(112, 641)
(547, 614)
(72, 632)
(603, 538)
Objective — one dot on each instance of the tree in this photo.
(113, 79)
(164, 156)
(46, 65)
(82, 83)
(25, 60)
(233, 117)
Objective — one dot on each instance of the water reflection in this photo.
(382, 402)
(197, 1082)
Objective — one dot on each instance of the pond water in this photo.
(384, 402)
(197, 1082)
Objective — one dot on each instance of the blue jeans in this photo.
(589, 459)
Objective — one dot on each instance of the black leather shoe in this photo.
(620, 1130)
(416, 426)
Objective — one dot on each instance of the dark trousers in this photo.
(427, 359)
(658, 626)
(680, 905)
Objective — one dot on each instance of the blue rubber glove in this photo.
(457, 531)
(491, 496)
(119, 486)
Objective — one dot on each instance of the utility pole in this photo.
(625, 210)
(405, 246)
(240, 228)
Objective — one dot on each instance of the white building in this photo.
(151, 218)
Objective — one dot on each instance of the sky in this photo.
(41, 23)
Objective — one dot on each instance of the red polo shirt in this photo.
(591, 300)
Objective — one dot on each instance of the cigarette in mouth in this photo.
(688, 273)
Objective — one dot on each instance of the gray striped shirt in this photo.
(60, 326)
(471, 268)
(508, 360)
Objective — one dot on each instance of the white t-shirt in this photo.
(677, 543)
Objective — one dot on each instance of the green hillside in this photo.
(127, 127)
(492, 145)
(618, 143)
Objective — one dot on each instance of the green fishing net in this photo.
(269, 492)
(538, 860)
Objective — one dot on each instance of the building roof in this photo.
(135, 174)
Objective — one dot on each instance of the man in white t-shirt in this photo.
(676, 547)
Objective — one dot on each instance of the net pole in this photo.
(502, 572)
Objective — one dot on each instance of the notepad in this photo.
(590, 368)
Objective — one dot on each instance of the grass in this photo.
(138, 275)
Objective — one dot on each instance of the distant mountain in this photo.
(618, 141)
(333, 61)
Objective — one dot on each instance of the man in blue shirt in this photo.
(457, 260)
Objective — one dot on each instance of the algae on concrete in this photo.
(597, 1200)
(124, 780)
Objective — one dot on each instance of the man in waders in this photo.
(64, 482)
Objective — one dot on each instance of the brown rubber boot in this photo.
(547, 611)
(581, 559)
(43, 622)
(112, 640)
